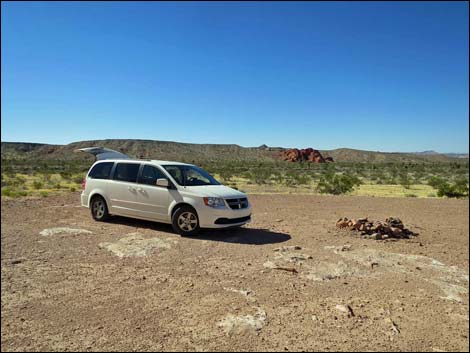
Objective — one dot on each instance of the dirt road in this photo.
(287, 281)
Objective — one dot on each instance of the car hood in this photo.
(215, 191)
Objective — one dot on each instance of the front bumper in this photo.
(222, 218)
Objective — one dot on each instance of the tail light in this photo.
(83, 183)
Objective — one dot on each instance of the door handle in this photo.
(131, 188)
(140, 189)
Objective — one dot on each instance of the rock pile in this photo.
(308, 154)
(392, 228)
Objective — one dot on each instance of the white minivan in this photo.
(169, 192)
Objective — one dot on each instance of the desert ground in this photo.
(288, 281)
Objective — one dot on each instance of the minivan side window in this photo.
(150, 175)
(126, 172)
(101, 170)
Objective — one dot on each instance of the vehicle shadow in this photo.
(239, 235)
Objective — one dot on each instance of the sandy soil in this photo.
(288, 281)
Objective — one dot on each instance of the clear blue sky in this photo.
(376, 76)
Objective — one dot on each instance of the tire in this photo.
(185, 221)
(99, 209)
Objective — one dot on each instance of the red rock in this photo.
(308, 154)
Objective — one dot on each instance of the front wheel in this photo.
(185, 221)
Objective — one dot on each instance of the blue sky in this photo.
(376, 76)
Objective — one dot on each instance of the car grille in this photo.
(237, 204)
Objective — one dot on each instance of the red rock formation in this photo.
(308, 154)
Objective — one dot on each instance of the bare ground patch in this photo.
(136, 245)
(296, 284)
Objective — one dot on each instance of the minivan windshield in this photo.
(188, 175)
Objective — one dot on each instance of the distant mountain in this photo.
(190, 152)
(427, 152)
(457, 155)
(452, 155)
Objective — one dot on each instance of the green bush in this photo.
(337, 184)
(435, 182)
(225, 174)
(6, 192)
(77, 179)
(457, 190)
(11, 193)
(302, 179)
(278, 178)
(260, 176)
(44, 193)
(65, 175)
(405, 180)
(37, 184)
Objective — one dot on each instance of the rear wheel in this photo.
(99, 209)
(185, 221)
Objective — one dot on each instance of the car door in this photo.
(152, 201)
(122, 189)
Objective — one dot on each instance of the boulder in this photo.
(307, 154)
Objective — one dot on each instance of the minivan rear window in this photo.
(127, 172)
(101, 170)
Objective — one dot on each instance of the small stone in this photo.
(345, 309)
(376, 236)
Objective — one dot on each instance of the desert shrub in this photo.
(405, 180)
(302, 179)
(12, 193)
(457, 190)
(5, 182)
(435, 182)
(461, 185)
(65, 175)
(21, 179)
(337, 184)
(14, 182)
(77, 179)
(278, 178)
(260, 176)
(72, 188)
(44, 193)
(290, 178)
(37, 184)
(411, 195)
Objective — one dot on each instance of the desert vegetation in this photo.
(42, 177)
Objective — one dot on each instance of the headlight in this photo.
(215, 202)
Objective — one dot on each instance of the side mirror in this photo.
(162, 182)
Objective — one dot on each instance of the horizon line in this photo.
(227, 144)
